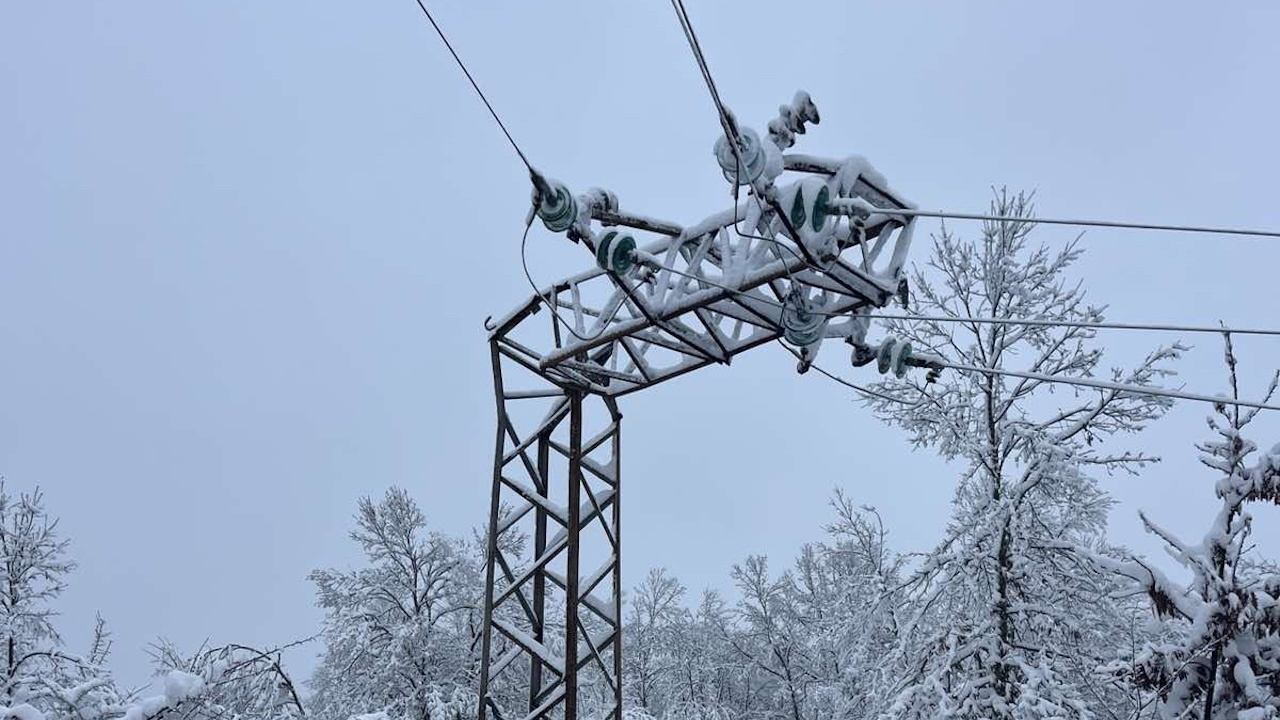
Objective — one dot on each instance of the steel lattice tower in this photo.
(805, 254)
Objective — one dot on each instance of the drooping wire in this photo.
(836, 378)
(546, 300)
(1082, 223)
(829, 375)
(502, 126)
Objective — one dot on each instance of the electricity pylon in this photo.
(809, 248)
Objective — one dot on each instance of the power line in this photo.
(1106, 385)
(1083, 382)
(728, 125)
(731, 134)
(1057, 221)
(1075, 324)
(1003, 321)
(726, 120)
(1080, 382)
(475, 85)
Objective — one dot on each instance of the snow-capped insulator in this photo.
(752, 153)
(862, 355)
(883, 355)
(893, 356)
(559, 210)
(808, 204)
(791, 120)
(599, 199)
(802, 324)
(615, 252)
(898, 361)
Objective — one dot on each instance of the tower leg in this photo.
(552, 610)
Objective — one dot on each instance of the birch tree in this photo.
(995, 605)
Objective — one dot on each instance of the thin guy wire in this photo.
(475, 85)
(1075, 324)
(1087, 223)
(836, 378)
(831, 376)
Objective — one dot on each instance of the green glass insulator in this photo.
(885, 356)
(797, 210)
(616, 252)
(559, 212)
(821, 208)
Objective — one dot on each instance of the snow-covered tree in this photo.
(400, 633)
(857, 618)
(33, 572)
(227, 683)
(57, 685)
(42, 680)
(706, 674)
(1224, 661)
(39, 678)
(655, 620)
(996, 607)
(773, 635)
(813, 638)
(802, 644)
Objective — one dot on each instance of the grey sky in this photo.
(246, 249)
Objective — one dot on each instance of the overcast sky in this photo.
(246, 249)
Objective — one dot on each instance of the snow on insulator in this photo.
(859, 324)
(616, 252)
(863, 354)
(752, 152)
(803, 325)
(791, 120)
(558, 210)
(808, 203)
(893, 356)
(600, 199)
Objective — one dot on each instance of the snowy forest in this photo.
(1022, 610)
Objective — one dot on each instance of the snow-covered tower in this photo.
(810, 246)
